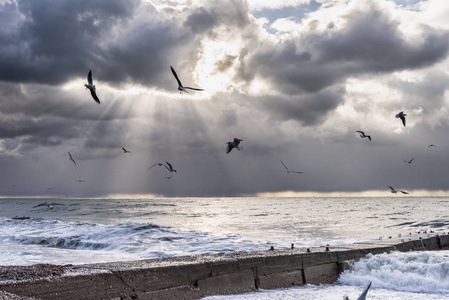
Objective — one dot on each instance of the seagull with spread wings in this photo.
(125, 151)
(395, 191)
(182, 88)
(363, 135)
(233, 144)
(401, 115)
(91, 87)
(409, 161)
(169, 167)
(71, 158)
(289, 171)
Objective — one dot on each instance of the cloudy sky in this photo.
(294, 79)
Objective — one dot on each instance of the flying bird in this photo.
(81, 180)
(365, 292)
(401, 115)
(71, 158)
(125, 151)
(182, 88)
(363, 135)
(233, 144)
(409, 161)
(91, 87)
(432, 146)
(395, 191)
(288, 171)
(169, 167)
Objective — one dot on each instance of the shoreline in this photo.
(193, 277)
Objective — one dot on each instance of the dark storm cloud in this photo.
(308, 109)
(370, 43)
(53, 41)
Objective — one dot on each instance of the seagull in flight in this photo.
(81, 180)
(432, 146)
(169, 167)
(125, 151)
(409, 161)
(91, 87)
(288, 171)
(363, 135)
(182, 88)
(71, 158)
(233, 144)
(401, 115)
(395, 192)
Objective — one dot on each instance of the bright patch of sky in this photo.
(294, 13)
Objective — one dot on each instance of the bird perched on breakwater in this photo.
(363, 135)
(401, 115)
(233, 144)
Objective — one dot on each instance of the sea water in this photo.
(78, 231)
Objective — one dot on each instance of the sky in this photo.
(294, 79)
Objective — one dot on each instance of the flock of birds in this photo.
(181, 88)
(401, 116)
(230, 145)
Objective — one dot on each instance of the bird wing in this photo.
(170, 167)
(124, 150)
(156, 164)
(412, 160)
(403, 119)
(195, 89)
(297, 172)
(176, 76)
(391, 188)
(404, 192)
(284, 165)
(228, 148)
(237, 141)
(94, 95)
(89, 77)
(71, 158)
(363, 295)
(361, 132)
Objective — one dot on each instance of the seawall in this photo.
(193, 277)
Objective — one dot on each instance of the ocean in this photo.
(79, 231)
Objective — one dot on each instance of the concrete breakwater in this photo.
(193, 277)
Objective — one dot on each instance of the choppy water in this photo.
(102, 230)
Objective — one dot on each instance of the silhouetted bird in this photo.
(91, 87)
(288, 171)
(363, 135)
(401, 115)
(71, 158)
(126, 151)
(395, 191)
(409, 161)
(234, 144)
(182, 88)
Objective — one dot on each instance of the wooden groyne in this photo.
(193, 277)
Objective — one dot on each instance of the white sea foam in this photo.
(394, 276)
(420, 272)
